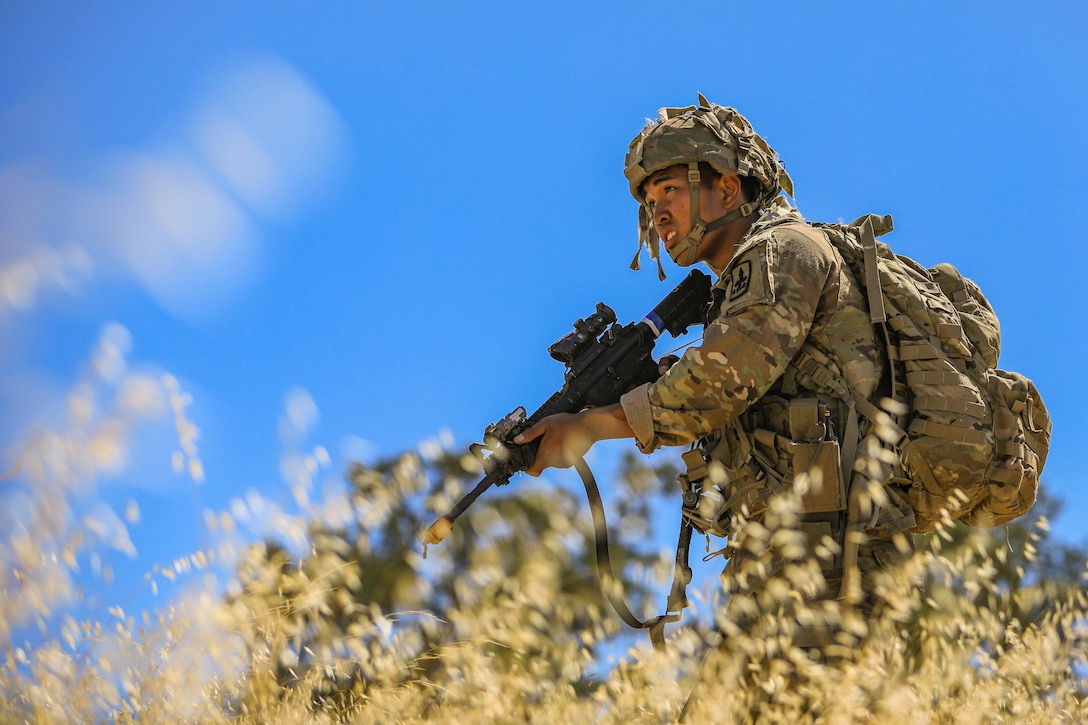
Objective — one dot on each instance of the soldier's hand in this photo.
(564, 439)
(666, 362)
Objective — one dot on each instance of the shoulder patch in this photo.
(746, 281)
(740, 281)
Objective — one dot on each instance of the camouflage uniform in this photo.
(787, 332)
(785, 287)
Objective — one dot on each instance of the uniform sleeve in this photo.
(771, 295)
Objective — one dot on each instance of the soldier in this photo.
(760, 398)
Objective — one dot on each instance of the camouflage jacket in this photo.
(784, 288)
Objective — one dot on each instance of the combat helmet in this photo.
(717, 135)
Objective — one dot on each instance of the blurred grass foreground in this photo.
(333, 615)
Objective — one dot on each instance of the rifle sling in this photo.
(612, 585)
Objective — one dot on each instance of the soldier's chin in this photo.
(681, 255)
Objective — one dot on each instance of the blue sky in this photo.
(356, 225)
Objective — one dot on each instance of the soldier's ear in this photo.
(729, 188)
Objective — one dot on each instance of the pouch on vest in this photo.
(817, 472)
(816, 464)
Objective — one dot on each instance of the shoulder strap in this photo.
(877, 313)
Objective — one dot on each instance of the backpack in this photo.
(971, 439)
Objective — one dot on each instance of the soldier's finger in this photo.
(532, 433)
(665, 363)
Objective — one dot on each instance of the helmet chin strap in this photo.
(699, 228)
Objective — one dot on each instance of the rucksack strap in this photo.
(867, 237)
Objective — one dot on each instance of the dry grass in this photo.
(338, 623)
(957, 652)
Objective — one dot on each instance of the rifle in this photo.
(600, 368)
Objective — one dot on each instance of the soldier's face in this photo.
(668, 195)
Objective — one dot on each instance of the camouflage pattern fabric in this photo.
(971, 440)
(718, 135)
(785, 289)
